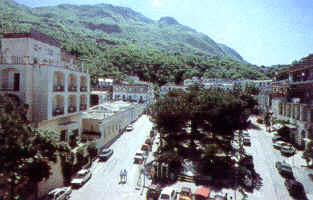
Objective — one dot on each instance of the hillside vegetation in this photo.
(116, 41)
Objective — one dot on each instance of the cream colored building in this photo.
(106, 121)
(36, 71)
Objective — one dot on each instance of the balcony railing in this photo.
(58, 88)
(22, 60)
(72, 88)
(71, 109)
(8, 90)
(83, 89)
(83, 107)
(58, 111)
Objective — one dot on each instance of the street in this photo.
(264, 158)
(105, 181)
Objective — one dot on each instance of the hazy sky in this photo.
(263, 32)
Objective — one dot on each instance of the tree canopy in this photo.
(25, 151)
(199, 113)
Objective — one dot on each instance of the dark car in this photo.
(246, 141)
(247, 162)
(105, 154)
(294, 188)
(284, 169)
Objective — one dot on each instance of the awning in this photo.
(203, 191)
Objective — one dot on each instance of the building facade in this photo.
(293, 97)
(140, 92)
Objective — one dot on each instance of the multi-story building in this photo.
(37, 72)
(138, 92)
(293, 98)
(171, 87)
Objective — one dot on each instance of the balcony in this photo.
(58, 111)
(72, 88)
(58, 88)
(71, 109)
(83, 88)
(82, 107)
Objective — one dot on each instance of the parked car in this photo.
(287, 150)
(202, 193)
(139, 158)
(185, 194)
(81, 177)
(247, 162)
(168, 193)
(246, 141)
(59, 194)
(105, 154)
(153, 192)
(276, 138)
(148, 141)
(129, 127)
(284, 169)
(146, 147)
(294, 188)
(279, 144)
(246, 134)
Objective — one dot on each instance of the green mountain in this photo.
(118, 41)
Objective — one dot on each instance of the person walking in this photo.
(125, 174)
(121, 175)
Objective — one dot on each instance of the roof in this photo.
(167, 190)
(203, 191)
(36, 35)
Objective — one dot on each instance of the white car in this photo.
(168, 193)
(288, 150)
(129, 128)
(59, 194)
(81, 177)
(280, 144)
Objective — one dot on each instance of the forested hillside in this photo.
(116, 41)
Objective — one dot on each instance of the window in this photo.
(63, 136)
(50, 52)
(280, 108)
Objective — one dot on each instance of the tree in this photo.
(186, 117)
(25, 151)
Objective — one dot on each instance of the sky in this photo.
(263, 32)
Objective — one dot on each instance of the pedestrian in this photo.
(226, 195)
(121, 175)
(125, 174)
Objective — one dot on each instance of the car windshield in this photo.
(165, 197)
(106, 150)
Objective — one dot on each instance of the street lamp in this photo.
(236, 175)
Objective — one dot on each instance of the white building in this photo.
(35, 70)
(139, 93)
(171, 87)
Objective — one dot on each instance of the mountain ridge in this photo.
(116, 41)
(122, 22)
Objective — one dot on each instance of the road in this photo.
(264, 158)
(105, 181)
